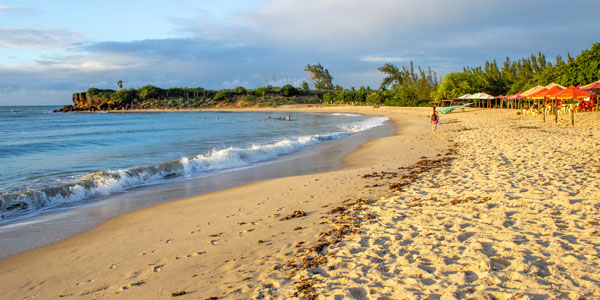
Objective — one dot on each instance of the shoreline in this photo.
(493, 206)
(20, 235)
(133, 260)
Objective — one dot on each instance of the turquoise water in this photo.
(49, 160)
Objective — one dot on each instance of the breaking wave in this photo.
(111, 181)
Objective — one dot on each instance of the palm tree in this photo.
(393, 75)
(120, 84)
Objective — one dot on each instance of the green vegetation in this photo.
(521, 75)
(320, 77)
(401, 86)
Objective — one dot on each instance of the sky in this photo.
(51, 49)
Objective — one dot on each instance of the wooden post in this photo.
(573, 116)
(555, 113)
(544, 113)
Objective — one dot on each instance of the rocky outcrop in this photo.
(84, 101)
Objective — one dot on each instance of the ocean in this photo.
(57, 161)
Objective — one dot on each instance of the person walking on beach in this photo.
(434, 119)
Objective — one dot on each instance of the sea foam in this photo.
(26, 202)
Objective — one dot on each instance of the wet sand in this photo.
(56, 225)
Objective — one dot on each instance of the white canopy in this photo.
(465, 96)
(482, 96)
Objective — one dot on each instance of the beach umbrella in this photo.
(593, 87)
(482, 96)
(547, 94)
(539, 94)
(553, 92)
(573, 92)
(516, 96)
(532, 91)
(465, 96)
(549, 86)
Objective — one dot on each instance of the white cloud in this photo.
(37, 38)
(384, 59)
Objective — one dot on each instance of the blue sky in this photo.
(50, 49)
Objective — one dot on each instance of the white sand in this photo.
(515, 216)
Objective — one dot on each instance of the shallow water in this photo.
(55, 160)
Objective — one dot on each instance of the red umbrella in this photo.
(515, 96)
(573, 92)
(594, 86)
(552, 92)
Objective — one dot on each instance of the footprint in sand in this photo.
(246, 231)
(358, 293)
(195, 254)
(131, 285)
(158, 268)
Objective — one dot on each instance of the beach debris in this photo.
(298, 228)
(260, 241)
(295, 214)
(178, 293)
(349, 217)
(469, 199)
(381, 175)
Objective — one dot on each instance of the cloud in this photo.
(271, 42)
(15, 10)
(384, 59)
(38, 38)
(388, 26)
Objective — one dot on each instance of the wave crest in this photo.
(111, 181)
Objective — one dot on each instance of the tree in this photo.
(288, 90)
(320, 76)
(457, 84)
(305, 86)
(120, 84)
(149, 92)
(393, 75)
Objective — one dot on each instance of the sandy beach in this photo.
(492, 206)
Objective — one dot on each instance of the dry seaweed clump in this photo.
(295, 214)
(347, 220)
(423, 166)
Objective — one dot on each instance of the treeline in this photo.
(404, 86)
(514, 76)
(401, 87)
(152, 97)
